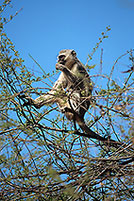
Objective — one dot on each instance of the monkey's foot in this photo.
(30, 101)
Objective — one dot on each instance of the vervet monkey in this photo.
(75, 79)
(72, 91)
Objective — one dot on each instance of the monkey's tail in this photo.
(92, 134)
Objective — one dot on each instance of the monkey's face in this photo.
(67, 57)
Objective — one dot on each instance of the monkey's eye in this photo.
(61, 57)
(73, 53)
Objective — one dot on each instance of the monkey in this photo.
(75, 79)
(72, 91)
(78, 84)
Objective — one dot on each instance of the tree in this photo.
(45, 158)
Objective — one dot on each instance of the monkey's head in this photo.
(67, 58)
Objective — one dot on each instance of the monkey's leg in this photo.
(45, 99)
(54, 95)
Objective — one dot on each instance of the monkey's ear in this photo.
(73, 53)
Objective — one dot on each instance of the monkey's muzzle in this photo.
(61, 59)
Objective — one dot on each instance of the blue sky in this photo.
(44, 27)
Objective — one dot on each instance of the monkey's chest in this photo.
(77, 87)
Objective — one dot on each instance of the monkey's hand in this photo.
(60, 66)
(67, 73)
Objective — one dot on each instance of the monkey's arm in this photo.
(71, 77)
